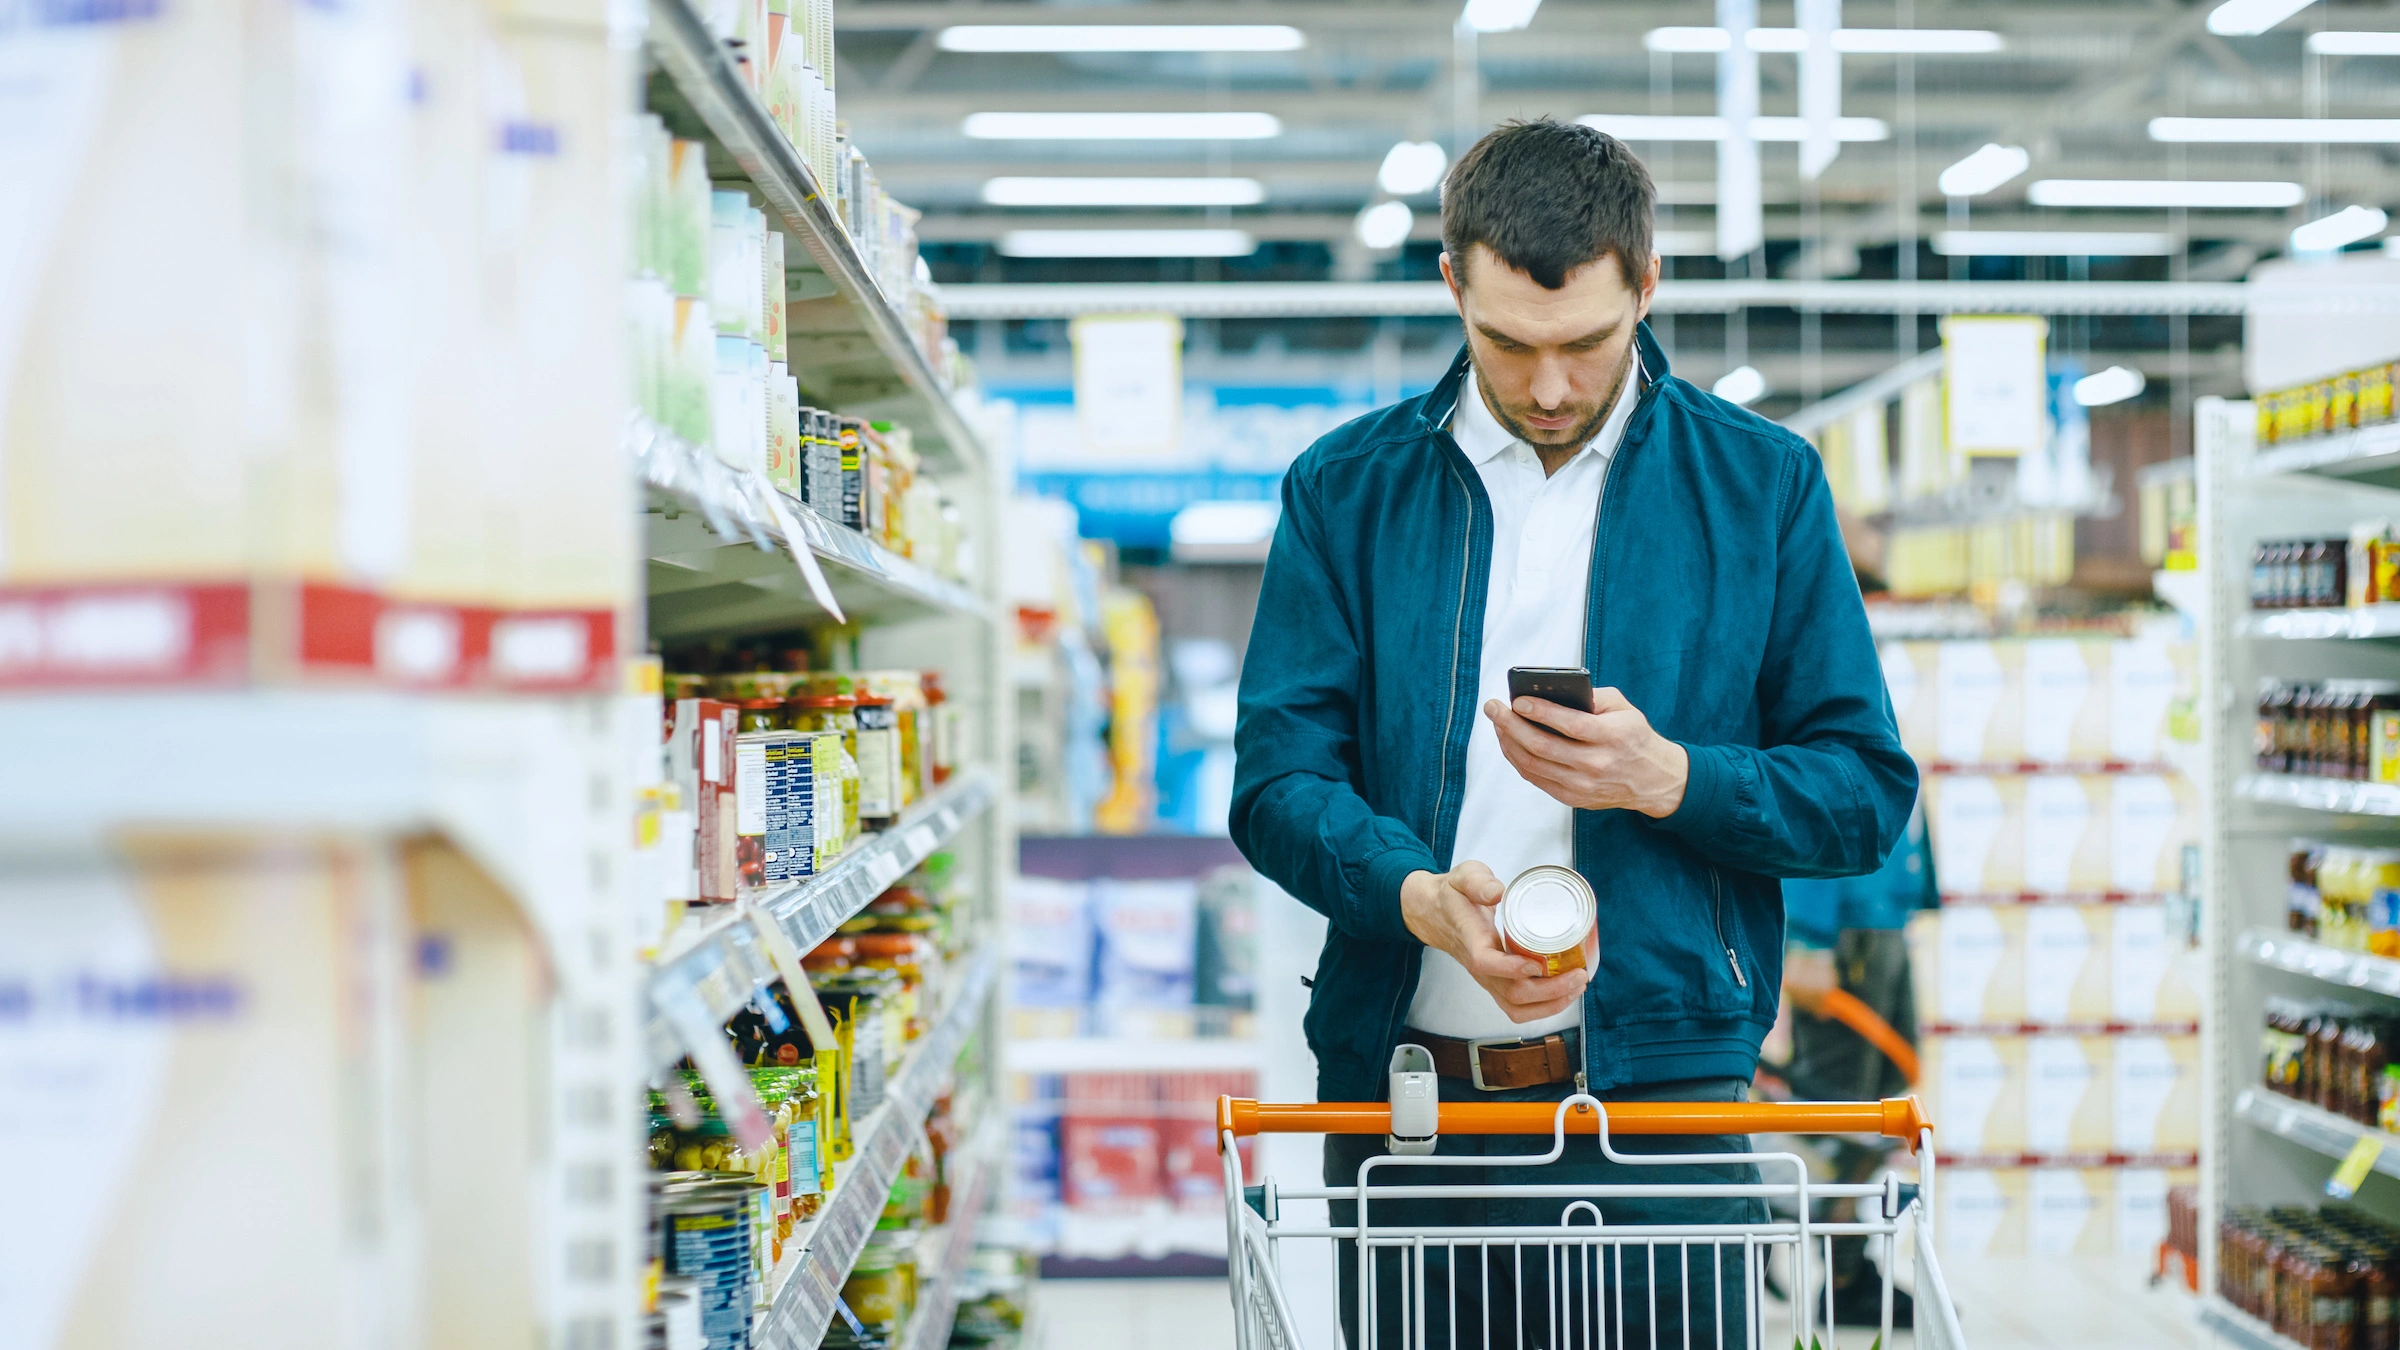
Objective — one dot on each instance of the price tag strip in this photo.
(2352, 1173)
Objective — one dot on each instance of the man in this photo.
(1557, 500)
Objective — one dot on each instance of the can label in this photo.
(775, 806)
(878, 761)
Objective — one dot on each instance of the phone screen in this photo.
(1566, 686)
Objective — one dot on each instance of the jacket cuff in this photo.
(1379, 901)
(1708, 792)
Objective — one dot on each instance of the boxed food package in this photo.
(2156, 1095)
(1108, 1162)
(1969, 962)
(2151, 978)
(2070, 1211)
(1982, 1212)
(2066, 834)
(2145, 677)
(1990, 1212)
(1977, 721)
(700, 764)
(2142, 1212)
(2066, 700)
(1050, 942)
(1975, 1086)
(2067, 1093)
(1977, 823)
(1147, 942)
(2151, 818)
(2068, 959)
(777, 819)
(1908, 677)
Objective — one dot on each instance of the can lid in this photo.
(1548, 908)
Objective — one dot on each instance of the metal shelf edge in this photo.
(2300, 956)
(2240, 1327)
(2339, 795)
(2312, 1127)
(2317, 625)
(2337, 455)
(797, 1321)
(929, 1328)
(720, 963)
(696, 61)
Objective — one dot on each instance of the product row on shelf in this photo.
(2062, 834)
(2064, 702)
(1116, 1165)
(2067, 967)
(2345, 402)
(2340, 729)
(1160, 959)
(2344, 897)
(2333, 1055)
(2004, 1212)
(2358, 570)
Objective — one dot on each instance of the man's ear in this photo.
(1649, 288)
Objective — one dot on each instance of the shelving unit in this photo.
(2367, 455)
(2315, 625)
(2332, 965)
(953, 1246)
(2314, 1128)
(2336, 795)
(1105, 1054)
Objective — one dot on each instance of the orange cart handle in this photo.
(1899, 1118)
(1845, 1008)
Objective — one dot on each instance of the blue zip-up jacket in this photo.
(1721, 603)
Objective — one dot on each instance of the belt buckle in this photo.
(1475, 1058)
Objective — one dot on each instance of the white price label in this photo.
(922, 841)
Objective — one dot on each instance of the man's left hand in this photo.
(1602, 760)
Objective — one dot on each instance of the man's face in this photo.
(1550, 362)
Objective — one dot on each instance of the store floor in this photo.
(2033, 1303)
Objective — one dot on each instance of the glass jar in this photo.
(837, 713)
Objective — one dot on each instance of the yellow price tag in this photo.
(2352, 1174)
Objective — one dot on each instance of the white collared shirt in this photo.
(1542, 529)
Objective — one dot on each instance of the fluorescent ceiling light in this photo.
(2332, 43)
(1224, 523)
(1127, 244)
(2113, 385)
(1385, 224)
(2162, 192)
(2346, 226)
(1742, 385)
(2276, 130)
(1646, 127)
(1498, 16)
(1984, 170)
(2248, 18)
(1124, 192)
(1125, 126)
(1876, 41)
(2052, 244)
(1147, 37)
(1411, 167)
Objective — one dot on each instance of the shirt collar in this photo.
(1481, 437)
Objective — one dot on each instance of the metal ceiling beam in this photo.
(1299, 300)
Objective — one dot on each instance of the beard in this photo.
(1576, 435)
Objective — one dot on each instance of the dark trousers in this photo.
(1832, 1063)
(1545, 1297)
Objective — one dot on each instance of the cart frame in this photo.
(1256, 1229)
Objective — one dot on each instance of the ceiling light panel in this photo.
(1498, 16)
(1124, 192)
(1648, 127)
(2276, 130)
(1984, 170)
(2163, 192)
(1861, 41)
(1411, 167)
(2346, 226)
(1122, 126)
(2052, 244)
(2248, 18)
(1194, 37)
(1127, 244)
(2341, 43)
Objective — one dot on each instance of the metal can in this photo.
(1545, 914)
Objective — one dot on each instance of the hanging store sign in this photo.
(1128, 385)
(1998, 391)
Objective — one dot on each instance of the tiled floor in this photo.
(2046, 1303)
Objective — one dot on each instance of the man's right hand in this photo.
(1453, 912)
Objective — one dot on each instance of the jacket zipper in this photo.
(1716, 905)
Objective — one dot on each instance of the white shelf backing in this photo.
(724, 962)
(801, 1312)
(2313, 1128)
(2308, 625)
(2296, 954)
(855, 346)
(2232, 1324)
(2340, 795)
(2368, 453)
(937, 1298)
(717, 554)
(1125, 1054)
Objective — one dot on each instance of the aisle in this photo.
(2026, 1303)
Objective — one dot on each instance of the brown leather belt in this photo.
(1501, 1063)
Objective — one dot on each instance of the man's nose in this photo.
(1550, 382)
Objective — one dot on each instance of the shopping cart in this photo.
(1578, 1266)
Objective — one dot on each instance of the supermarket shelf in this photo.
(2232, 1324)
(2320, 794)
(1107, 1054)
(714, 566)
(937, 1298)
(2366, 621)
(724, 963)
(804, 1305)
(2350, 970)
(851, 346)
(2371, 454)
(2313, 1127)
(2185, 591)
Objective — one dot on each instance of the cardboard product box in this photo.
(2070, 1211)
(1969, 962)
(1908, 676)
(2156, 1095)
(1979, 714)
(776, 821)
(2152, 817)
(1975, 1088)
(2065, 834)
(1192, 1168)
(2065, 691)
(2152, 978)
(1983, 1213)
(2142, 1206)
(1148, 933)
(2146, 677)
(1977, 824)
(2068, 1081)
(2068, 960)
(1050, 943)
(1110, 1158)
(700, 762)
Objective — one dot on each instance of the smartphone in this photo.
(1566, 686)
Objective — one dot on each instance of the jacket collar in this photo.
(1438, 403)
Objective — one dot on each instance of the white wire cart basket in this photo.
(1576, 1283)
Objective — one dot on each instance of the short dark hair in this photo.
(1549, 197)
